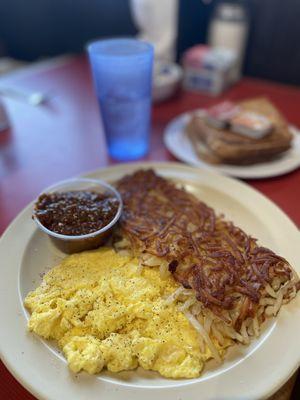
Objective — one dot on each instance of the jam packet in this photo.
(251, 124)
(220, 115)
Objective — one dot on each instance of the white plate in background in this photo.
(248, 372)
(181, 147)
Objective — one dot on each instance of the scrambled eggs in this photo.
(104, 313)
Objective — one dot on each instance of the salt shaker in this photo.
(4, 121)
(229, 28)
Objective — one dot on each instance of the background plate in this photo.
(180, 146)
(252, 372)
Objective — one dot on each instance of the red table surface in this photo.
(65, 138)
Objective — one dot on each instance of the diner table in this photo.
(64, 138)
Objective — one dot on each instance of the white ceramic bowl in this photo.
(166, 80)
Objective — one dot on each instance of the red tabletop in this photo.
(65, 138)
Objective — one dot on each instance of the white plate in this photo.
(252, 372)
(180, 146)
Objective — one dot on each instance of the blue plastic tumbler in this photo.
(122, 71)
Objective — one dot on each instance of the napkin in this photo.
(156, 21)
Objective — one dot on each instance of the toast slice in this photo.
(224, 146)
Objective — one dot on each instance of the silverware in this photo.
(33, 98)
